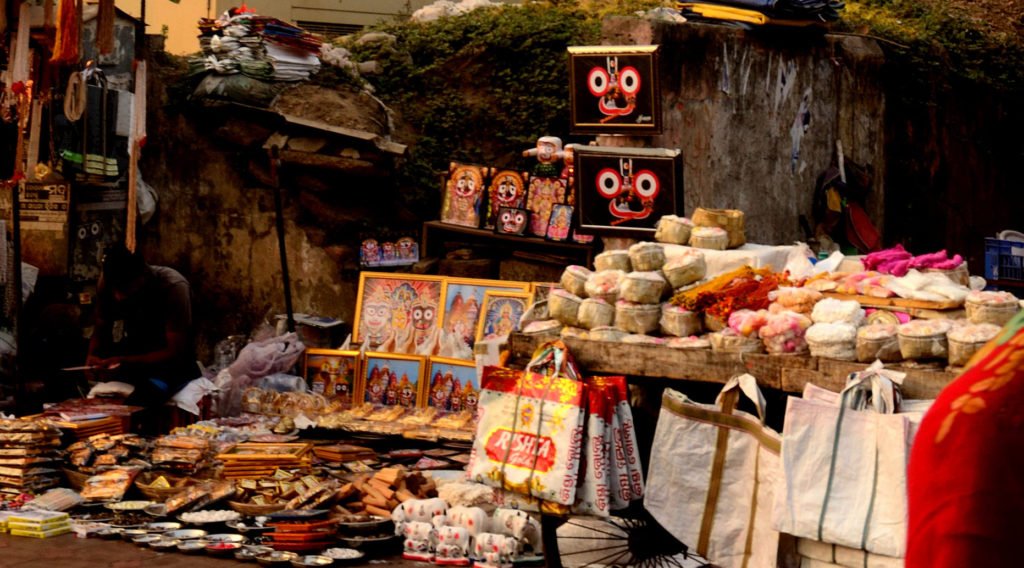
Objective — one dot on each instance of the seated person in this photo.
(143, 331)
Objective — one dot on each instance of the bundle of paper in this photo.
(39, 524)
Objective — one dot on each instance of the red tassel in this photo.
(105, 27)
(65, 49)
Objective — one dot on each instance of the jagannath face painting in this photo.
(630, 194)
(512, 221)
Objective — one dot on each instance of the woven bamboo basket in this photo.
(160, 494)
(729, 219)
(76, 479)
(252, 510)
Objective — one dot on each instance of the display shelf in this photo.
(584, 253)
(788, 373)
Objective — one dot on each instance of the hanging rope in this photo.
(75, 97)
(105, 27)
(65, 48)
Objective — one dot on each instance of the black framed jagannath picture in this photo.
(624, 191)
(614, 90)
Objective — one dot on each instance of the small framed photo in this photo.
(454, 385)
(541, 290)
(543, 194)
(394, 380)
(501, 313)
(614, 90)
(507, 189)
(333, 373)
(512, 221)
(398, 313)
(560, 224)
(463, 195)
(625, 191)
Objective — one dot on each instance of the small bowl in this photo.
(345, 556)
(229, 538)
(146, 539)
(373, 525)
(164, 543)
(186, 534)
(109, 533)
(276, 558)
(369, 544)
(243, 528)
(161, 527)
(197, 546)
(312, 560)
(223, 548)
(157, 510)
(250, 552)
(132, 534)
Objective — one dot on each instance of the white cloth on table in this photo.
(754, 255)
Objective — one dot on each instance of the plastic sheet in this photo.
(730, 341)
(831, 310)
(686, 268)
(991, 307)
(605, 284)
(967, 340)
(832, 341)
(783, 332)
(878, 341)
(692, 342)
(924, 339)
(748, 322)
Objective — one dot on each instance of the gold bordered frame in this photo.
(334, 359)
(625, 191)
(256, 451)
(493, 302)
(615, 90)
(475, 290)
(405, 367)
(371, 282)
(462, 371)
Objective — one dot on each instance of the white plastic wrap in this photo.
(680, 322)
(729, 340)
(831, 310)
(783, 332)
(595, 312)
(686, 268)
(642, 287)
(714, 238)
(991, 307)
(878, 341)
(647, 257)
(924, 339)
(832, 340)
(692, 342)
(543, 327)
(613, 260)
(641, 339)
(564, 306)
(673, 229)
(967, 340)
(574, 279)
(605, 284)
(637, 318)
(747, 322)
(607, 334)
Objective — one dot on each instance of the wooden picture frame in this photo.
(560, 224)
(625, 191)
(507, 189)
(398, 313)
(541, 290)
(266, 452)
(500, 313)
(338, 370)
(512, 221)
(463, 299)
(463, 194)
(404, 385)
(615, 90)
(452, 385)
(388, 249)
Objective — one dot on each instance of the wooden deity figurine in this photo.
(548, 153)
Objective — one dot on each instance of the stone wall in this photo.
(757, 116)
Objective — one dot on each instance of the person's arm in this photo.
(177, 344)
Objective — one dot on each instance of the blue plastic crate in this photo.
(1004, 260)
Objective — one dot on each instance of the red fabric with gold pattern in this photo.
(966, 476)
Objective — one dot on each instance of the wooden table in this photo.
(788, 373)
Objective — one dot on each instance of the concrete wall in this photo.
(757, 116)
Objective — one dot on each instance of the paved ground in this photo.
(69, 552)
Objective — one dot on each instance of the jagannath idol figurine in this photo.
(548, 152)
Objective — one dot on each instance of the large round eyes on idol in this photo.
(646, 184)
(598, 81)
(609, 183)
(629, 80)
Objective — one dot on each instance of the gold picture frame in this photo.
(462, 300)
(337, 370)
(500, 313)
(405, 372)
(452, 385)
(397, 312)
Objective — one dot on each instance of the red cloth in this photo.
(966, 478)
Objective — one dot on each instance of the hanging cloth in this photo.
(105, 27)
(69, 25)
